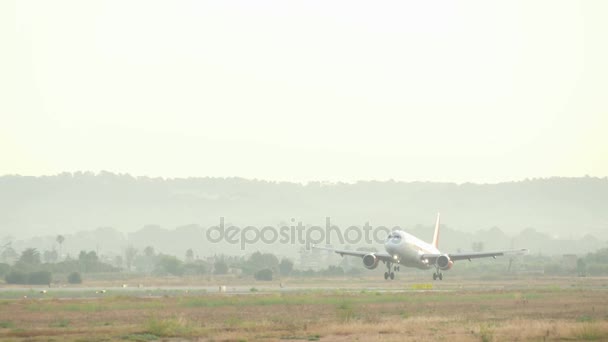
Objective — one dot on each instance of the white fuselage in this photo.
(407, 249)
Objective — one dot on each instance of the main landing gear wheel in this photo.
(389, 273)
(437, 275)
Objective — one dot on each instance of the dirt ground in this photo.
(337, 310)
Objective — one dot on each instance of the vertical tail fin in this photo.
(436, 235)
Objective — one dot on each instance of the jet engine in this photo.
(444, 262)
(370, 261)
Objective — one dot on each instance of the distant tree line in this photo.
(29, 268)
(32, 270)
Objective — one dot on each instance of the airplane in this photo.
(405, 249)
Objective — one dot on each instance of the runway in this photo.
(294, 286)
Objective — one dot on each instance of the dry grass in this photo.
(538, 313)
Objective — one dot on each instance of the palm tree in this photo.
(130, 254)
(60, 239)
(189, 255)
(149, 251)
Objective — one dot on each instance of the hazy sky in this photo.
(479, 91)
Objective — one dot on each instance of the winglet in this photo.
(436, 235)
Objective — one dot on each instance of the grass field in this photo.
(567, 309)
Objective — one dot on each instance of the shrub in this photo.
(32, 278)
(39, 278)
(172, 327)
(265, 274)
(74, 278)
(16, 277)
(333, 271)
(195, 268)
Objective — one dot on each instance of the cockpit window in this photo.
(393, 237)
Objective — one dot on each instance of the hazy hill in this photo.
(68, 203)
(109, 243)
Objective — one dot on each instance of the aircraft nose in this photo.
(393, 242)
(390, 246)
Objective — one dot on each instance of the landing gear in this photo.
(389, 273)
(437, 275)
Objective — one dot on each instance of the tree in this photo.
(60, 239)
(220, 266)
(30, 256)
(118, 261)
(258, 261)
(9, 255)
(147, 261)
(285, 267)
(168, 264)
(189, 255)
(88, 261)
(49, 256)
(130, 254)
(149, 251)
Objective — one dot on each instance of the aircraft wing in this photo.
(474, 255)
(383, 256)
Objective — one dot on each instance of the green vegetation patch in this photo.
(590, 332)
(337, 298)
(140, 337)
(172, 327)
(105, 304)
(346, 311)
(60, 323)
(6, 325)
